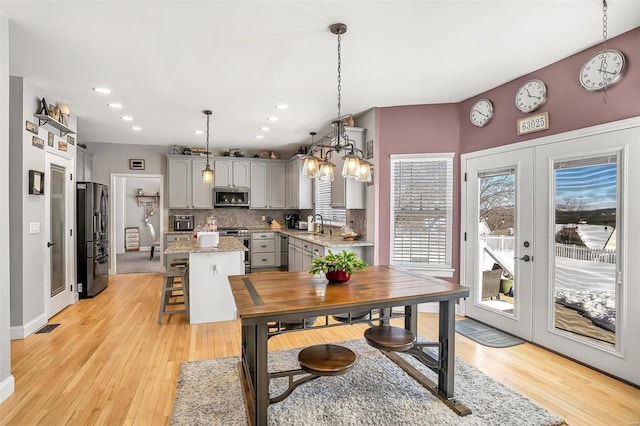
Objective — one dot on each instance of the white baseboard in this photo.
(7, 387)
(21, 331)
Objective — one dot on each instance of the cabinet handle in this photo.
(264, 260)
(264, 246)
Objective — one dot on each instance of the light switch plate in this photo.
(34, 227)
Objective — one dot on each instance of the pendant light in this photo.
(311, 167)
(355, 166)
(207, 173)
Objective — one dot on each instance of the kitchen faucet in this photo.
(321, 221)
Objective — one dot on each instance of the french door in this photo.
(568, 207)
(58, 241)
(499, 242)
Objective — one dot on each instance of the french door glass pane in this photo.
(497, 233)
(586, 202)
(58, 213)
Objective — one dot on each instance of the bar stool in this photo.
(182, 261)
(172, 289)
(317, 361)
(388, 338)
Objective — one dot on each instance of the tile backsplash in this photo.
(228, 217)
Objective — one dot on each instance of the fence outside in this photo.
(583, 253)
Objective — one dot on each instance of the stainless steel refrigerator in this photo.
(92, 216)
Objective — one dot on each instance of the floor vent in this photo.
(47, 328)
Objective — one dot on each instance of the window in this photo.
(422, 212)
(335, 217)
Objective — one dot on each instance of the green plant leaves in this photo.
(343, 261)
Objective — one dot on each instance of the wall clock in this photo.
(594, 74)
(481, 112)
(531, 95)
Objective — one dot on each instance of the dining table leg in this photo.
(447, 347)
(261, 375)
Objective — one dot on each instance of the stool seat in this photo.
(388, 338)
(326, 360)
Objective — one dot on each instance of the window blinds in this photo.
(333, 216)
(421, 210)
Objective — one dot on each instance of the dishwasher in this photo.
(284, 252)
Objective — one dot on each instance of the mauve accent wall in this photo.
(446, 127)
(570, 107)
(410, 130)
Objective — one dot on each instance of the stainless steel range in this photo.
(244, 236)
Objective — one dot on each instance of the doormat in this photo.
(47, 328)
(485, 335)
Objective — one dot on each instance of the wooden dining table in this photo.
(267, 300)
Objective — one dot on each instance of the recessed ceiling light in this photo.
(282, 106)
(198, 132)
(272, 118)
(264, 128)
(136, 128)
(102, 90)
(259, 136)
(114, 105)
(127, 118)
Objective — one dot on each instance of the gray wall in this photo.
(6, 379)
(114, 158)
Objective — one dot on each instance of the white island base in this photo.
(210, 298)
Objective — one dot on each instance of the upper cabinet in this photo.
(84, 165)
(231, 172)
(348, 193)
(186, 190)
(267, 184)
(298, 188)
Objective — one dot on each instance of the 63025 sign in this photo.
(533, 123)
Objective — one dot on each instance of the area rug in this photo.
(485, 335)
(375, 392)
(137, 262)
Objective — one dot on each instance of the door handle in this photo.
(526, 258)
(49, 244)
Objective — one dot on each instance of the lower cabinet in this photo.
(302, 253)
(263, 250)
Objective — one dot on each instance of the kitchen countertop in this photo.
(190, 245)
(324, 240)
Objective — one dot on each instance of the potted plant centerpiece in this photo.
(337, 267)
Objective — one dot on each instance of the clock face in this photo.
(599, 69)
(481, 113)
(531, 95)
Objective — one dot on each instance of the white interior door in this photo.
(59, 272)
(587, 211)
(499, 240)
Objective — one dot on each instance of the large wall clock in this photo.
(600, 69)
(481, 112)
(531, 95)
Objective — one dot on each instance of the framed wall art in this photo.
(36, 182)
(136, 164)
(368, 150)
(71, 140)
(50, 140)
(37, 142)
(62, 146)
(32, 127)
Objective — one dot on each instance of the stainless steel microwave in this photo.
(231, 196)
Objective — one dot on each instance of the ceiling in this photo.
(166, 61)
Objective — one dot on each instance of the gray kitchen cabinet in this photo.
(263, 250)
(295, 254)
(267, 185)
(84, 165)
(231, 172)
(348, 193)
(298, 188)
(186, 190)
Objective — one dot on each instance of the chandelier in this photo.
(207, 173)
(355, 166)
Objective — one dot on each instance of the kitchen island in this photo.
(210, 298)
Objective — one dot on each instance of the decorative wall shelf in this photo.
(141, 199)
(45, 119)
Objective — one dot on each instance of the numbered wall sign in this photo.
(533, 123)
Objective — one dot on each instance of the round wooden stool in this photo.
(326, 360)
(388, 338)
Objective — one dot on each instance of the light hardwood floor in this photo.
(110, 363)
